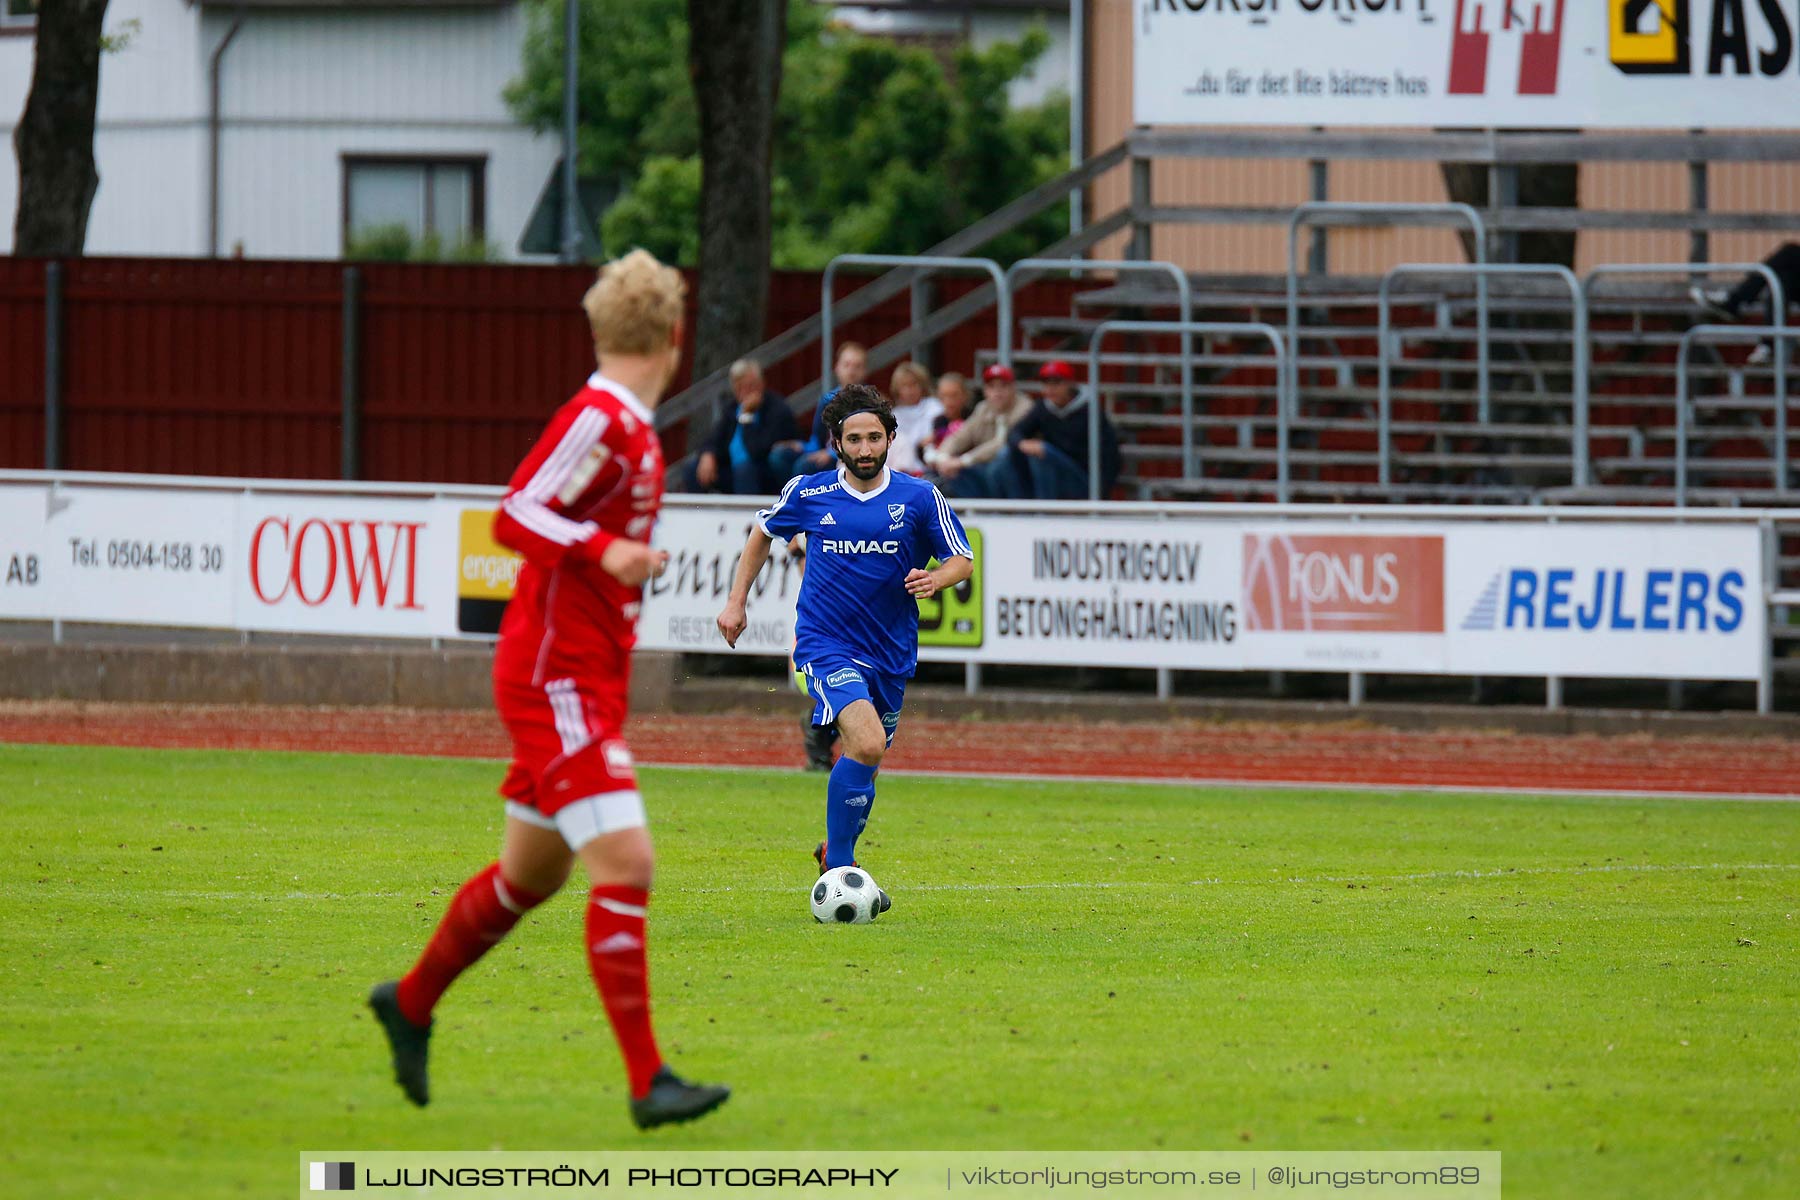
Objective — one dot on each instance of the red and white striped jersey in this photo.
(594, 476)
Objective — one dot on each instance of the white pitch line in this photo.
(1415, 877)
(1294, 785)
(1084, 885)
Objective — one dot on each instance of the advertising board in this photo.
(1538, 64)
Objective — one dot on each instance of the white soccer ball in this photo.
(846, 896)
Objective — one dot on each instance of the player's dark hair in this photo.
(846, 402)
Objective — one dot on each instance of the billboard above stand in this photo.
(1533, 64)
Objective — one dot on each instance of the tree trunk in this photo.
(55, 138)
(1541, 185)
(734, 56)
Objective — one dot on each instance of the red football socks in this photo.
(615, 945)
(482, 912)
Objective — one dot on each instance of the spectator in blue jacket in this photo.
(851, 366)
(752, 447)
(1048, 449)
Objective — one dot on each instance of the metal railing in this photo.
(1778, 315)
(1185, 297)
(1316, 212)
(1779, 335)
(940, 262)
(699, 394)
(1578, 386)
(1284, 373)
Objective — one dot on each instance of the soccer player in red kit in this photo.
(580, 508)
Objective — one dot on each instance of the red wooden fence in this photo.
(236, 368)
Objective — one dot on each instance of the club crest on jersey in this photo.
(896, 512)
(584, 473)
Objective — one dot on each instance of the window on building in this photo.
(428, 198)
(18, 13)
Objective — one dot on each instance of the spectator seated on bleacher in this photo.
(953, 399)
(916, 410)
(1730, 305)
(851, 366)
(752, 447)
(970, 461)
(1047, 451)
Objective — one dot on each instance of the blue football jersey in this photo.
(859, 548)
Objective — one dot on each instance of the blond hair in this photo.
(635, 305)
(914, 372)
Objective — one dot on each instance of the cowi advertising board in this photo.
(1628, 64)
(299, 562)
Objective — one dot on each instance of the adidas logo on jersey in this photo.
(828, 520)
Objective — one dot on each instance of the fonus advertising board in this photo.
(1366, 599)
(1568, 64)
(1088, 591)
(347, 565)
(1632, 602)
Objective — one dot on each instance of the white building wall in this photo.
(299, 89)
(302, 89)
(147, 138)
(15, 82)
(283, 187)
(1051, 74)
(1049, 77)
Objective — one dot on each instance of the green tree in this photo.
(878, 147)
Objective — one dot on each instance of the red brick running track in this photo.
(1163, 751)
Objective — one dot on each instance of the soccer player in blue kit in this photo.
(869, 533)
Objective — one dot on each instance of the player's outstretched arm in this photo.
(750, 564)
(923, 584)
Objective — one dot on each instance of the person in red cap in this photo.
(969, 462)
(1047, 450)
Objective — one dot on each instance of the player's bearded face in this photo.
(862, 445)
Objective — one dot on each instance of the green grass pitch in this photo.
(1607, 991)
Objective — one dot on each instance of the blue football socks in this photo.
(849, 795)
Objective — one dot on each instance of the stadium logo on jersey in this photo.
(817, 491)
(869, 546)
(840, 678)
(1612, 599)
(1537, 23)
(828, 520)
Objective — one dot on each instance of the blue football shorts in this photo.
(835, 683)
